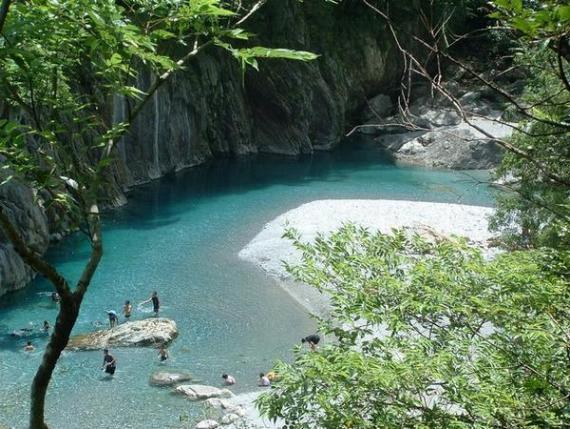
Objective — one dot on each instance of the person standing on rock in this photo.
(228, 380)
(155, 302)
(113, 319)
(127, 310)
(109, 362)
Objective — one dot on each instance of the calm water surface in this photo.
(180, 236)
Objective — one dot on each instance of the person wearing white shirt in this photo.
(228, 380)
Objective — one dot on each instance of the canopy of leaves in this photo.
(536, 209)
(429, 335)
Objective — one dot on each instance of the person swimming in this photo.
(46, 327)
(29, 347)
(228, 380)
(263, 380)
(155, 302)
(109, 362)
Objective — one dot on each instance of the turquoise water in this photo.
(180, 236)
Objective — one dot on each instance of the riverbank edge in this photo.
(270, 251)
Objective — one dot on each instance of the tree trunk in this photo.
(68, 312)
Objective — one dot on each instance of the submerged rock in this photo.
(207, 424)
(148, 332)
(196, 392)
(229, 418)
(169, 378)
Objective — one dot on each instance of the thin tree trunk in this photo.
(4, 7)
(68, 312)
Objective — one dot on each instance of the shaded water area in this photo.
(181, 236)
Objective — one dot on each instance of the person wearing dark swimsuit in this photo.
(109, 362)
(155, 302)
(313, 340)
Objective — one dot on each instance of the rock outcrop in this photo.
(460, 147)
(148, 332)
(433, 134)
(19, 203)
(288, 107)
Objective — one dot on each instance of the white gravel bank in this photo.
(268, 249)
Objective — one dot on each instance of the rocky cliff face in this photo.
(211, 110)
(285, 108)
(20, 205)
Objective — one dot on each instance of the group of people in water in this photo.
(110, 362)
(113, 321)
(128, 309)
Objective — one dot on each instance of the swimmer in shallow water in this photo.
(155, 302)
(46, 326)
(29, 347)
(109, 362)
(263, 380)
(228, 380)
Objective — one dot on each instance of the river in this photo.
(181, 236)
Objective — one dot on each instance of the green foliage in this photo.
(535, 210)
(429, 335)
(545, 19)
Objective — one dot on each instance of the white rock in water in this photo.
(207, 424)
(199, 392)
(168, 378)
(213, 403)
(148, 332)
(229, 418)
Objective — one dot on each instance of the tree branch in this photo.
(96, 252)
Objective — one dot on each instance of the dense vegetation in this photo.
(433, 334)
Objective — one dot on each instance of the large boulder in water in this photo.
(148, 332)
(169, 378)
(197, 392)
